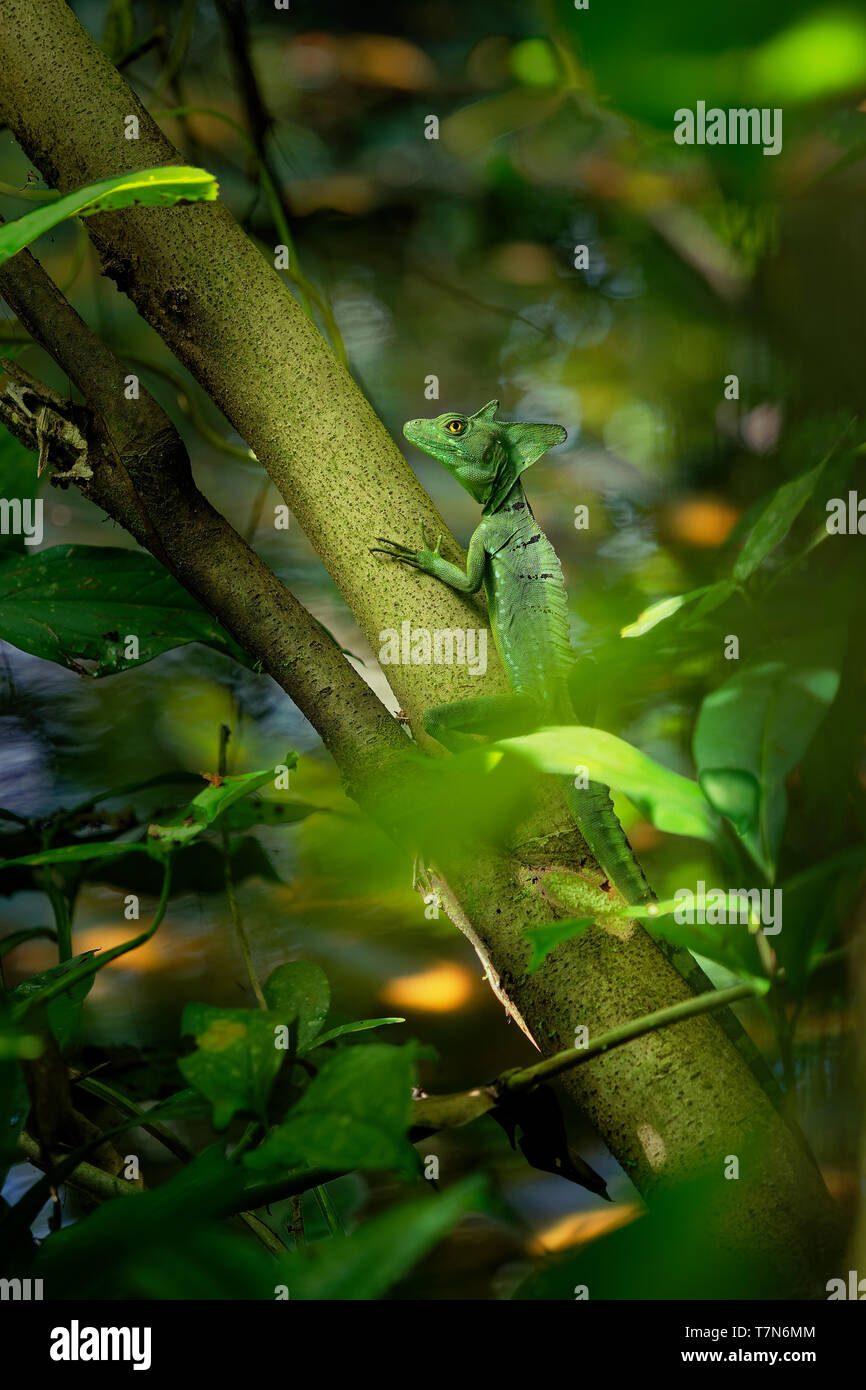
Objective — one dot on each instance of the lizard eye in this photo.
(455, 426)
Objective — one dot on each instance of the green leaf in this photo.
(354, 1114)
(236, 1060)
(713, 598)
(817, 905)
(162, 1243)
(64, 1011)
(665, 1254)
(673, 803)
(300, 990)
(758, 725)
(545, 939)
(197, 868)
(75, 603)
(776, 520)
(210, 804)
(164, 186)
(729, 943)
(710, 595)
(735, 795)
(362, 1026)
(257, 811)
(365, 1264)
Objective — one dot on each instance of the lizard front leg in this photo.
(431, 561)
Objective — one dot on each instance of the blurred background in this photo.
(444, 271)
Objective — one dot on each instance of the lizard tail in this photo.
(596, 819)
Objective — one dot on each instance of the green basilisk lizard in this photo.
(512, 558)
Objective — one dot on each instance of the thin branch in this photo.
(127, 1107)
(527, 1077)
(231, 893)
(260, 121)
(86, 1176)
(175, 1146)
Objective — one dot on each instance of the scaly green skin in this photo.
(511, 556)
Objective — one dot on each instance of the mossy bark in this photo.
(668, 1104)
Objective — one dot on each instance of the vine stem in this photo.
(62, 915)
(231, 894)
(329, 1211)
(90, 967)
(527, 1077)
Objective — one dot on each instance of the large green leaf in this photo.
(354, 1114)
(673, 803)
(236, 1059)
(754, 730)
(667, 1253)
(147, 187)
(300, 990)
(367, 1263)
(75, 603)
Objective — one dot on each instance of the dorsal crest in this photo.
(523, 443)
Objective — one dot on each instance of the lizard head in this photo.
(484, 454)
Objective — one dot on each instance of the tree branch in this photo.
(126, 456)
(677, 1101)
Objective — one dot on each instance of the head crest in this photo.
(524, 444)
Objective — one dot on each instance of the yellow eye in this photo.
(455, 426)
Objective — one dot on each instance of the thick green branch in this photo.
(677, 1100)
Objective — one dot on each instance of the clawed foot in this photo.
(418, 559)
(395, 551)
